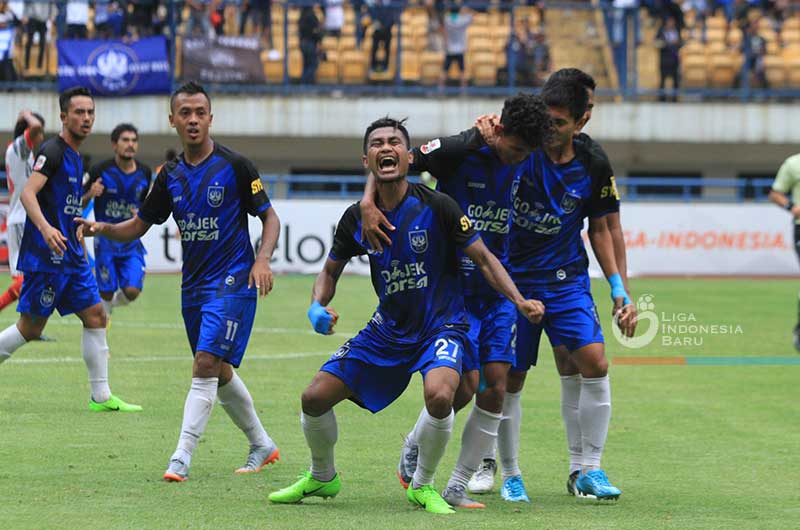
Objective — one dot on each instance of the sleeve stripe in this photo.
(471, 240)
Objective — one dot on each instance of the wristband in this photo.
(789, 205)
(618, 289)
(320, 318)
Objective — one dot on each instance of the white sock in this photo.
(237, 402)
(10, 341)
(595, 415)
(95, 355)
(321, 433)
(480, 432)
(196, 412)
(412, 436)
(570, 400)
(432, 437)
(108, 306)
(119, 299)
(508, 434)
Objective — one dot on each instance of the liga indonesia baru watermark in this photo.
(674, 329)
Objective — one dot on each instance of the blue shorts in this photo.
(68, 292)
(221, 326)
(492, 326)
(376, 379)
(570, 319)
(118, 271)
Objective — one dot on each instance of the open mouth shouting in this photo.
(388, 164)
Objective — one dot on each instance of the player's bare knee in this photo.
(31, 328)
(515, 381)
(439, 401)
(313, 402)
(94, 317)
(491, 398)
(107, 296)
(206, 365)
(131, 293)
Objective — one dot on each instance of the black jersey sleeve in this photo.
(251, 189)
(157, 206)
(605, 196)
(457, 226)
(95, 172)
(148, 174)
(344, 239)
(442, 156)
(49, 158)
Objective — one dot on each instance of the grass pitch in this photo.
(690, 446)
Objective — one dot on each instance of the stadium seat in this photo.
(295, 63)
(793, 71)
(483, 69)
(353, 67)
(790, 36)
(694, 71)
(722, 70)
(273, 68)
(432, 63)
(776, 71)
(411, 68)
(328, 70)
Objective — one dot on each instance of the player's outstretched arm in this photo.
(618, 242)
(603, 247)
(498, 278)
(783, 200)
(372, 217)
(126, 231)
(261, 273)
(323, 318)
(52, 236)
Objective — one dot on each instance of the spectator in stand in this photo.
(699, 8)
(358, 11)
(435, 26)
(199, 22)
(36, 16)
(8, 24)
(17, 8)
(529, 53)
(669, 42)
(217, 17)
(456, 22)
(384, 15)
(726, 7)
(77, 19)
(334, 17)
(260, 12)
(310, 36)
(741, 13)
(754, 49)
(143, 17)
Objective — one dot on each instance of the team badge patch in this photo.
(569, 202)
(431, 146)
(418, 240)
(47, 297)
(40, 161)
(215, 195)
(342, 351)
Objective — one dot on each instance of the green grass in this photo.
(690, 446)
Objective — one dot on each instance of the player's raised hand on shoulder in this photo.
(55, 240)
(261, 277)
(322, 318)
(625, 317)
(485, 125)
(97, 188)
(371, 220)
(532, 309)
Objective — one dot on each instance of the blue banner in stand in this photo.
(115, 68)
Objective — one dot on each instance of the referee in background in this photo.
(785, 193)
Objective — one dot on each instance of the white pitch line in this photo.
(167, 358)
(179, 326)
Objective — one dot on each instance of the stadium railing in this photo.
(619, 32)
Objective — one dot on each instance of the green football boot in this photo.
(307, 486)
(113, 404)
(427, 497)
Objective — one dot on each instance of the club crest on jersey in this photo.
(40, 161)
(431, 146)
(215, 195)
(418, 240)
(569, 202)
(47, 297)
(342, 351)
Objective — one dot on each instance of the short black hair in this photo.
(191, 88)
(171, 154)
(387, 122)
(574, 74)
(525, 116)
(570, 95)
(22, 124)
(65, 97)
(121, 128)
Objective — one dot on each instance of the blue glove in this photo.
(320, 318)
(618, 289)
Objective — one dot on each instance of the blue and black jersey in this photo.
(123, 193)
(470, 172)
(416, 278)
(210, 203)
(551, 204)
(60, 201)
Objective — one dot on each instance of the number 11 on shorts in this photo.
(231, 329)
